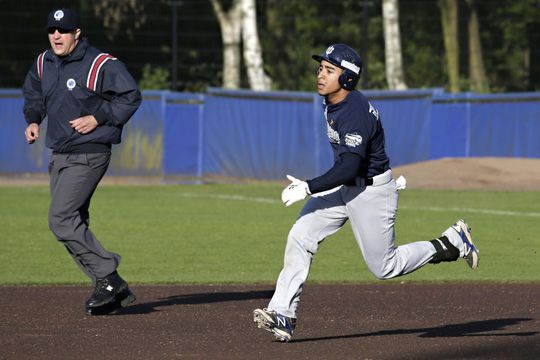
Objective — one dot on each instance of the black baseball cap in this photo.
(66, 19)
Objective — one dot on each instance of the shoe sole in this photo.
(264, 321)
(126, 297)
(472, 257)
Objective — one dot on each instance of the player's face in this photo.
(328, 80)
(63, 42)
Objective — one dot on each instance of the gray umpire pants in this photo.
(73, 180)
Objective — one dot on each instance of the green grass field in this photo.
(224, 233)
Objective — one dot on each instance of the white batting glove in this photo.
(296, 191)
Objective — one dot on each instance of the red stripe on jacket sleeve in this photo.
(94, 70)
(40, 64)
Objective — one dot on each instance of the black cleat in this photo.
(111, 292)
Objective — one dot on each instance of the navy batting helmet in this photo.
(347, 59)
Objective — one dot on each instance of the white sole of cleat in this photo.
(264, 321)
(472, 257)
(280, 335)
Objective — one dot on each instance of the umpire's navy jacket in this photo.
(86, 82)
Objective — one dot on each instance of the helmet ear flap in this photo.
(347, 81)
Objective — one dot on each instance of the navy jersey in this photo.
(354, 126)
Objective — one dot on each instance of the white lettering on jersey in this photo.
(353, 140)
(333, 135)
(373, 111)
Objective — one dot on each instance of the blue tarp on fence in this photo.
(259, 135)
(266, 135)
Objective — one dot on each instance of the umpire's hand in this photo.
(85, 124)
(31, 133)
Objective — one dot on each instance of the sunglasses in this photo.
(52, 30)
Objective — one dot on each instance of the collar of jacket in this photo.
(76, 54)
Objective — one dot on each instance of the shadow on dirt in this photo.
(475, 328)
(194, 299)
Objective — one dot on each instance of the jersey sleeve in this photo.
(120, 90)
(343, 172)
(33, 108)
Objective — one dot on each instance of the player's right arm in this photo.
(33, 109)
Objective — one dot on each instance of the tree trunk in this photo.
(253, 59)
(392, 46)
(231, 31)
(449, 19)
(477, 71)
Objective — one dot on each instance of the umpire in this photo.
(87, 97)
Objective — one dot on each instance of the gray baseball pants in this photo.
(73, 180)
(372, 213)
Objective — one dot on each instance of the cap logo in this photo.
(329, 50)
(58, 15)
(70, 84)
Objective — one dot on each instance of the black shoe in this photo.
(110, 293)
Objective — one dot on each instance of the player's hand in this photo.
(31, 133)
(296, 191)
(85, 124)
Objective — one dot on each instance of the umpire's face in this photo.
(63, 41)
(328, 81)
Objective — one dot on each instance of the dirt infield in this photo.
(510, 174)
(507, 174)
(386, 321)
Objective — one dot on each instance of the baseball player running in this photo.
(359, 187)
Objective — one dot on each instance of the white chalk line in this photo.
(434, 209)
(477, 211)
(230, 197)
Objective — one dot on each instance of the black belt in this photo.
(363, 182)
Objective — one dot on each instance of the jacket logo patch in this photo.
(70, 84)
(353, 140)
